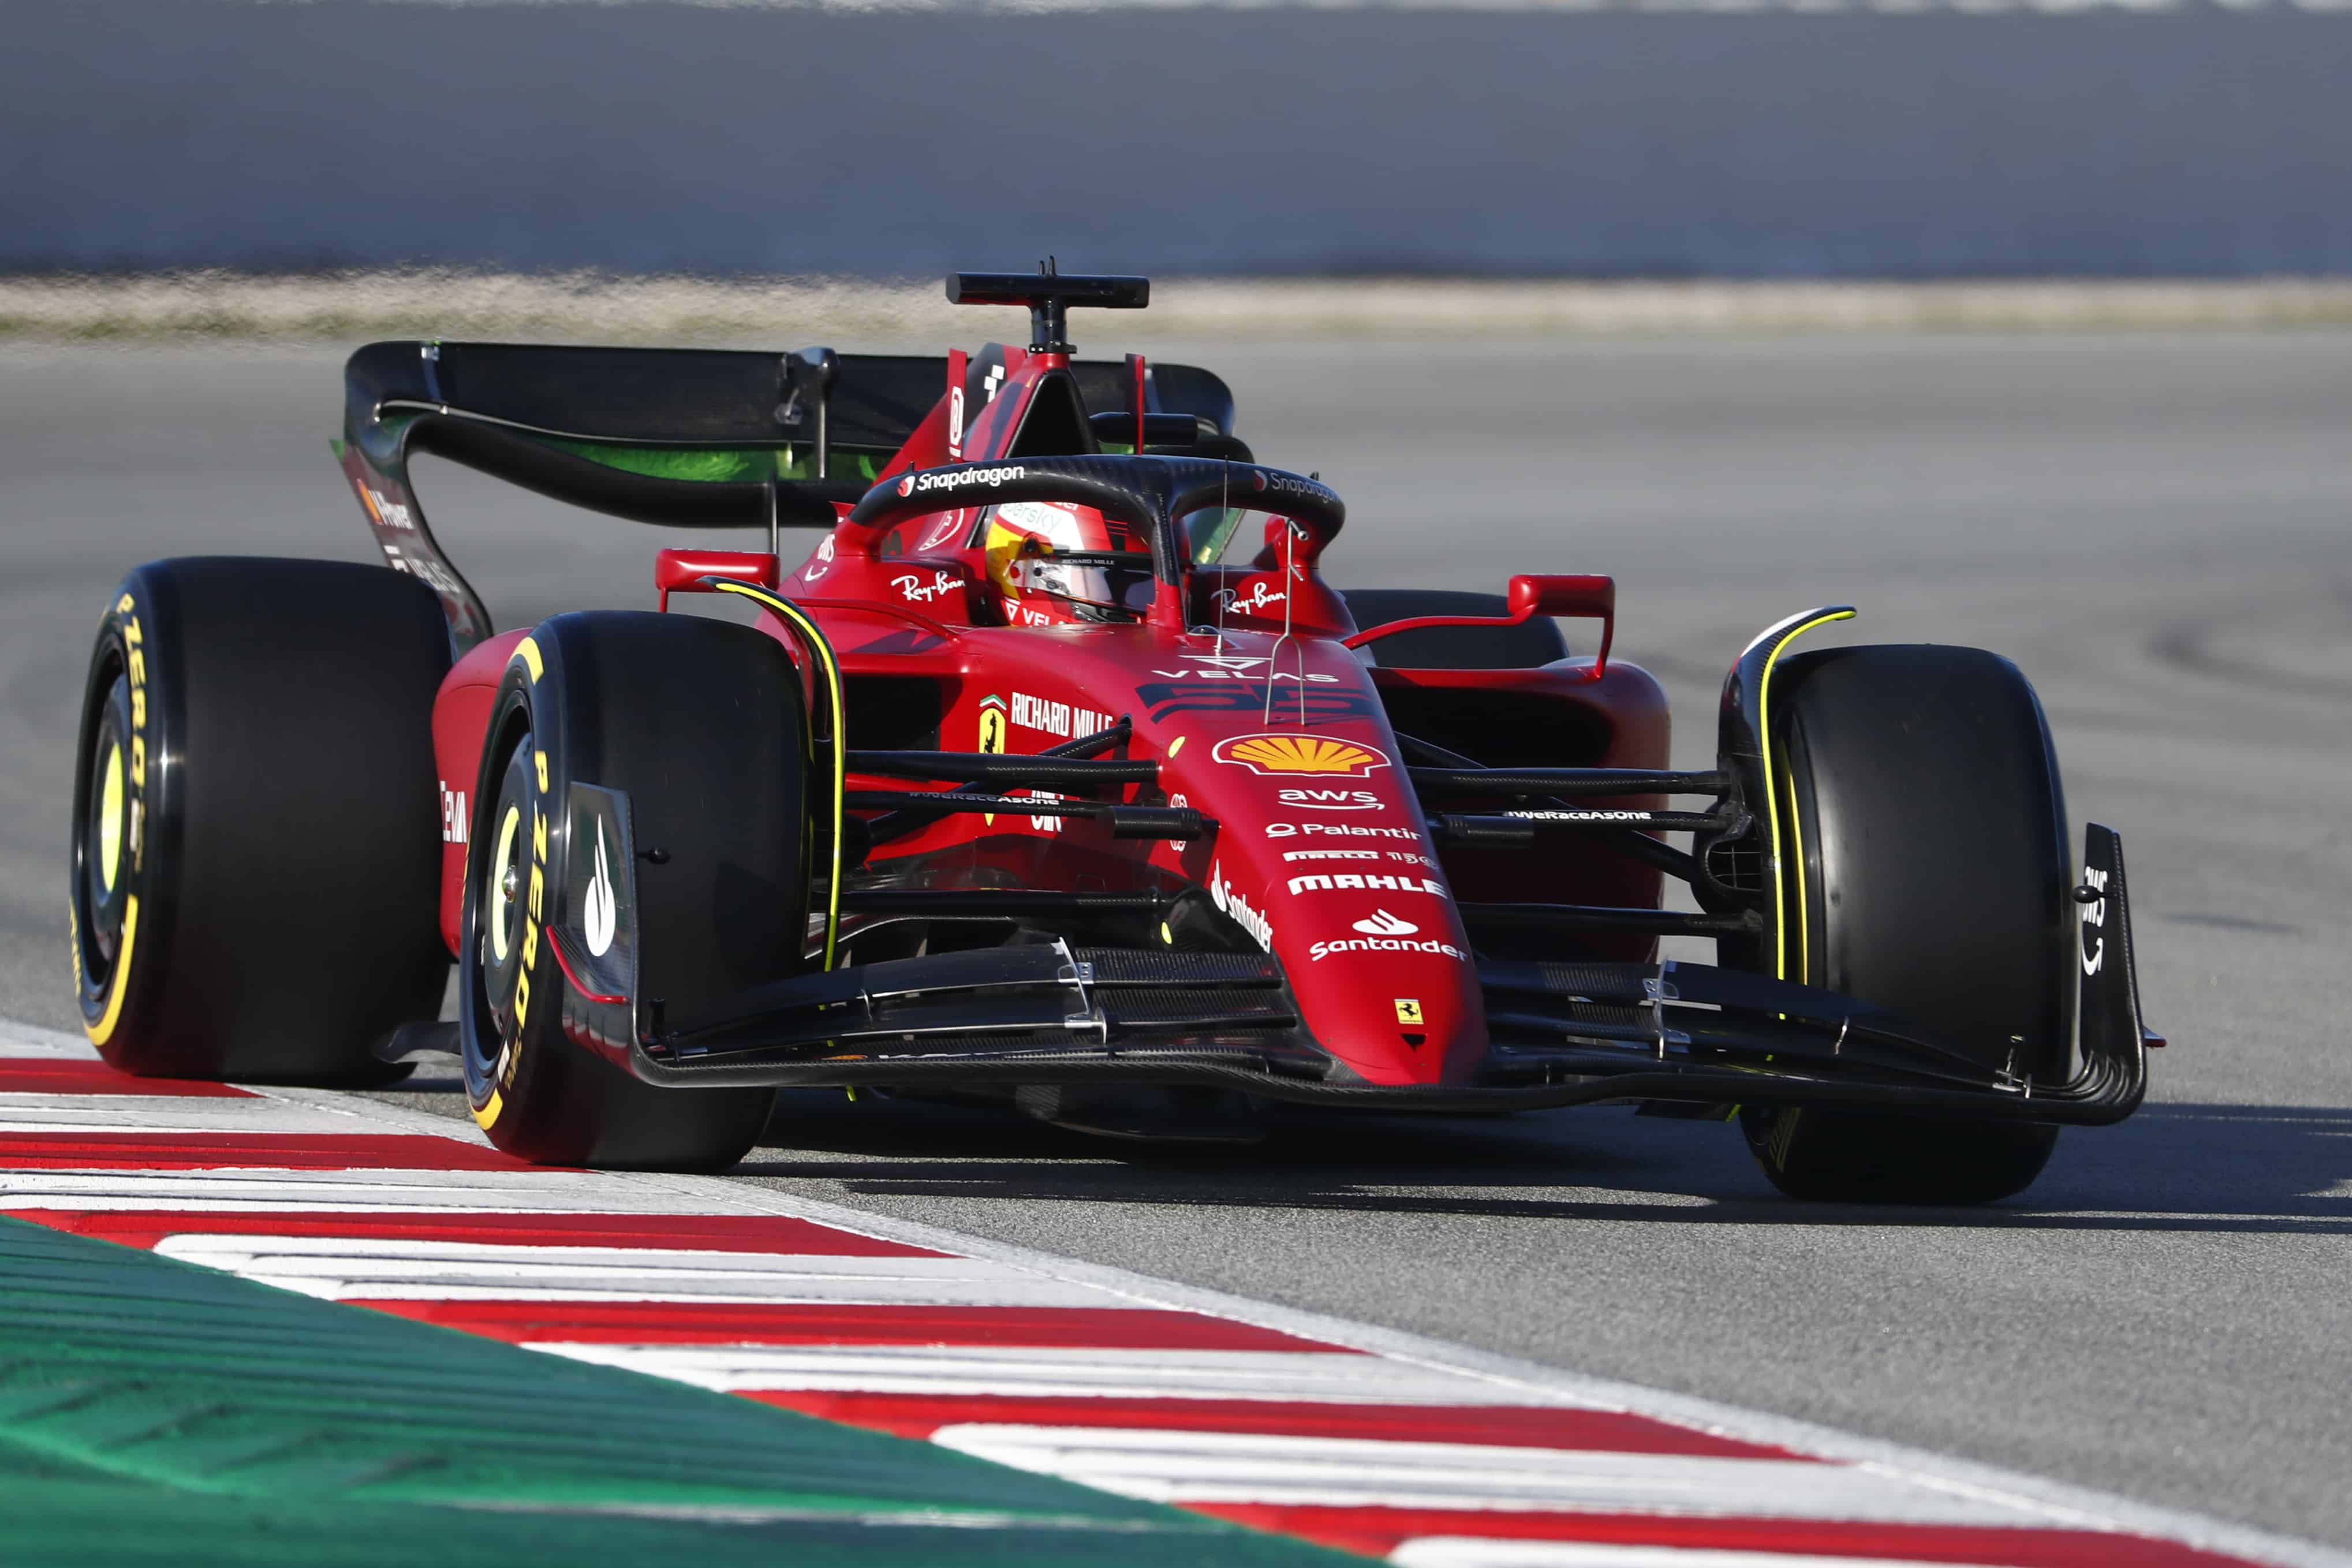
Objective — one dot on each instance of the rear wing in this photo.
(680, 437)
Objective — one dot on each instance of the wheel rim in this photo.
(498, 899)
(108, 856)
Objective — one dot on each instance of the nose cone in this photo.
(1320, 855)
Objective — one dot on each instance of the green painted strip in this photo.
(724, 465)
(153, 1411)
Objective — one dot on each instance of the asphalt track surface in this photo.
(2159, 529)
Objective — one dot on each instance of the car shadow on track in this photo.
(2175, 1168)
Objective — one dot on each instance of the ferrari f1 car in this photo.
(1054, 774)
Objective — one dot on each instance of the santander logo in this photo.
(1380, 922)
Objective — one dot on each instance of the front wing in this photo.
(1565, 1033)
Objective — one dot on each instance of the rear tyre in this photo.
(1930, 841)
(701, 724)
(256, 854)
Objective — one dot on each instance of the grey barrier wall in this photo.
(139, 134)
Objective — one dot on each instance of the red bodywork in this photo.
(1319, 851)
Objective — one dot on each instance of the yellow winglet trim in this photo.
(1772, 798)
(103, 1030)
(815, 639)
(1797, 852)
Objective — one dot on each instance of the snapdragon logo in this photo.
(917, 484)
(1235, 907)
(1284, 484)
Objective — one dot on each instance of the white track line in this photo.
(1480, 1551)
(22, 1112)
(1223, 1467)
(1057, 1373)
(344, 1268)
(1866, 1479)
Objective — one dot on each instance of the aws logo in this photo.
(1292, 756)
(1329, 799)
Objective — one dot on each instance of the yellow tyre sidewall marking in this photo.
(118, 983)
(797, 618)
(1771, 801)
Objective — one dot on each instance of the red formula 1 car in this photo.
(1057, 775)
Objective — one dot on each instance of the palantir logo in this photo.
(1380, 922)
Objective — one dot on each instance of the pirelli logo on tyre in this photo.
(1300, 756)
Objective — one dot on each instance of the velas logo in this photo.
(1291, 756)
(1380, 922)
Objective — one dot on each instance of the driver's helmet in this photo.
(1024, 542)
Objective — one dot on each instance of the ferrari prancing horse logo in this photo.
(991, 737)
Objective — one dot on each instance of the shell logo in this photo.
(1291, 756)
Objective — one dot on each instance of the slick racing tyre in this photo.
(699, 724)
(1926, 838)
(255, 825)
(1530, 644)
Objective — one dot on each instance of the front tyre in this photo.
(1925, 838)
(256, 826)
(699, 723)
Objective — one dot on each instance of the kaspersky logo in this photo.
(1297, 756)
